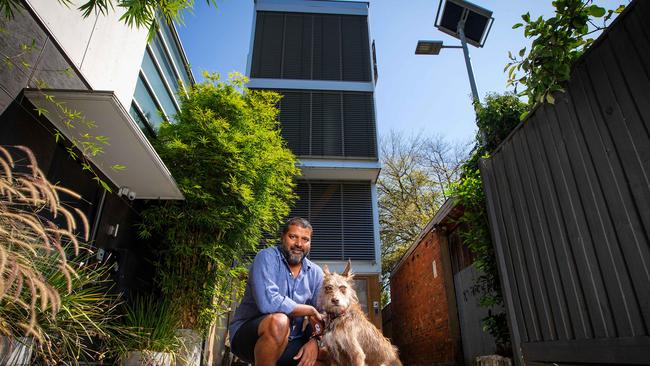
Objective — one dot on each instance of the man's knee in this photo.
(276, 326)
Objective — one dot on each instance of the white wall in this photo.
(106, 51)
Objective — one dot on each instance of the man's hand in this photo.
(308, 353)
(306, 310)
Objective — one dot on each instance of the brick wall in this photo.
(421, 325)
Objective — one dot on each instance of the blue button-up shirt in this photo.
(271, 288)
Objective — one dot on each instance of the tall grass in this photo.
(153, 321)
(30, 210)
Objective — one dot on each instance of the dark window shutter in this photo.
(331, 47)
(358, 228)
(297, 47)
(325, 216)
(341, 215)
(329, 123)
(294, 121)
(326, 124)
(355, 47)
(267, 50)
(359, 132)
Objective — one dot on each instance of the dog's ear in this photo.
(347, 272)
(326, 270)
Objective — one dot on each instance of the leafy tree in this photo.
(416, 173)
(557, 43)
(138, 13)
(231, 164)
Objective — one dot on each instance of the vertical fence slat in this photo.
(523, 281)
(579, 318)
(540, 227)
(530, 243)
(579, 236)
(603, 223)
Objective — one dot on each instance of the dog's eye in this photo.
(343, 288)
(328, 288)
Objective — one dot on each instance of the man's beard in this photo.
(293, 258)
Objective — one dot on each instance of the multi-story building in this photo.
(121, 87)
(317, 54)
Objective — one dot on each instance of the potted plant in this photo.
(153, 322)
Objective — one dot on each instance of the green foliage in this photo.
(137, 13)
(83, 327)
(231, 164)
(497, 116)
(557, 43)
(153, 321)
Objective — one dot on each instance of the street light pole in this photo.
(468, 62)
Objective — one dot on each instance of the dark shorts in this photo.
(243, 343)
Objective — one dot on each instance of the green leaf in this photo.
(522, 52)
(597, 11)
(526, 17)
(550, 99)
(517, 25)
(118, 167)
(523, 116)
(41, 111)
(619, 9)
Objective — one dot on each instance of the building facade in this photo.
(117, 82)
(318, 55)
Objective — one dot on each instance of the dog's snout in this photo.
(335, 301)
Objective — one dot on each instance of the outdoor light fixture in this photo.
(463, 20)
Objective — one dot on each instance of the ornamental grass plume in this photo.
(30, 212)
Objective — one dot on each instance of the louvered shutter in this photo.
(358, 228)
(329, 123)
(355, 48)
(359, 132)
(341, 214)
(326, 124)
(294, 120)
(325, 216)
(297, 47)
(267, 49)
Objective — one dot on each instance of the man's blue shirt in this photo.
(271, 288)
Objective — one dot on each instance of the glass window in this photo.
(147, 104)
(165, 64)
(141, 122)
(175, 52)
(361, 286)
(156, 83)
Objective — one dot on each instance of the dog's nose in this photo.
(335, 301)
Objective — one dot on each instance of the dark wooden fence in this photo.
(569, 204)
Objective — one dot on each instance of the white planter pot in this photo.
(190, 352)
(148, 358)
(15, 352)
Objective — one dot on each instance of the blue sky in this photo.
(414, 94)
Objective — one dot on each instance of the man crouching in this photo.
(282, 288)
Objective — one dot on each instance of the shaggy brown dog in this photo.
(349, 337)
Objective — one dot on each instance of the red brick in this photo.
(419, 309)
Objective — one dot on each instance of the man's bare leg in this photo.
(273, 338)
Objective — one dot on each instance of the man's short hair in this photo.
(298, 221)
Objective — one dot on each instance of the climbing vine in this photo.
(497, 116)
(557, 43)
